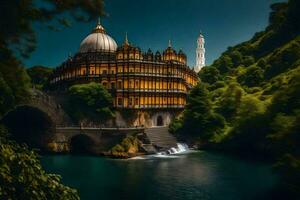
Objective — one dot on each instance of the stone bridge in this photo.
(100, 139)
(48, 105)
(41, 121)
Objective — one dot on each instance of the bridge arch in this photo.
(81, 144)
(29, 124)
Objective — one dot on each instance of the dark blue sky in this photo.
(151, 23)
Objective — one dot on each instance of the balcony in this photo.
(153, 106)
(152, 90)
(145, 74)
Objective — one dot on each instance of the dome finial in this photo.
(170, 44)
(126, 39)
(98, 28)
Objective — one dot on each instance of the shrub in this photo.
(22, 176)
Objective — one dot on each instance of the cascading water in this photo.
(181, 148)
(170, 153)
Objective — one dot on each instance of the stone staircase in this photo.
(149, 148)
(161, 138)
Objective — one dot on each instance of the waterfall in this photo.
(170, 153)
(181, 148)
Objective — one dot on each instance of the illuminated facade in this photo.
(135, 79)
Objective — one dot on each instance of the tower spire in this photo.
(126, 39)
(99, 21)
(170, 44)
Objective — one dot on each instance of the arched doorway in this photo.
(159, 121)
(29, 125)
(81, 144)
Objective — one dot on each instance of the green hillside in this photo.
(248, 101)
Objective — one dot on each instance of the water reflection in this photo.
(199, 175)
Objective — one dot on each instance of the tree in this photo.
(17, 18)
(15, 82)
(287, 98)
(224, 64)
(236, 57)
(253, 76)
(39, 75)
(21, 175)
(199, 118)
(248, 60)
(230, 101)
(18, 39)
(90, 100)
(209, 75)
(250, 106)
(175, 125)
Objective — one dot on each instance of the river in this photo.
(196, 175)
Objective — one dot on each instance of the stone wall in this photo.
(132, 118)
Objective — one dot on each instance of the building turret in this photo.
(181, 57)
(149, 54)
(157, 56)
(169, 54)
(128, 51)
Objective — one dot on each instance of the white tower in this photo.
(200, 53)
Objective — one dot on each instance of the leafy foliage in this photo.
(17, 18)
(22, 176)
(230, 101)
(15, 83)
(255, 86)
(209, 75)
(18, 39)
(39, 75)
(129, 145)
(90, 99)
(253, 76)
(199, 120)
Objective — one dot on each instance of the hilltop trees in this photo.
(255, 86)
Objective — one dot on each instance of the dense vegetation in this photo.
(249, 99)
(89, 101)
(21, 176)
(128, 147)
(39, 76)
(14, 81)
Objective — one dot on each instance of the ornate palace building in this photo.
(136, 80)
